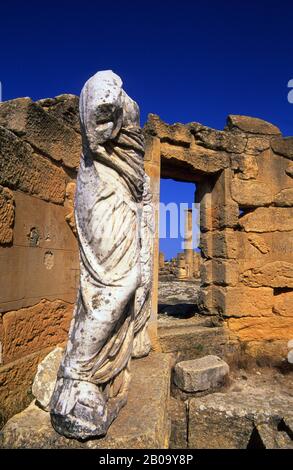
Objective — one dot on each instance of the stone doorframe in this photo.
(173, 151)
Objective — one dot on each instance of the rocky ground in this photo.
(252, 409)
(178, 299)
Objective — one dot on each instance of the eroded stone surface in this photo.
(34, 328)
(283, 304)
(227, 420)
(251, 125)
(283, 147)
(268, 219)
(22, 169)
(64, 107)
(242, 301)
(201, 374)
(6, 215)
(274, 274)
(42, 130)
(269, 328)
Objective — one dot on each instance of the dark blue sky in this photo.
(184, 60)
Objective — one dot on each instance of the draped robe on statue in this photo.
(114, 221)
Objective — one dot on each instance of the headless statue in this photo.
(114, 221)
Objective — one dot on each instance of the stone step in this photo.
(168, 322)
(142, 424)
(193, 340)
(240, 419)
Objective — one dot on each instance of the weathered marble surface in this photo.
(114, 223)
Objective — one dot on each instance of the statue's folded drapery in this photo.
(114, 221)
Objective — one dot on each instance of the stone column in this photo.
(188, 245)
(181, 266)
(161, 260)
(152, 166)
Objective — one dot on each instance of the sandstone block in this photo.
(257, 145)
(270, 328)
(34, 273)
(225, 244)
(272, 352)
(15, 383)
(218, 140)
(6, 215)
(201, 374)
(219, 271)
(225, 216)
(45, 378)
(283, 147)
(243, 301)
(64, 107)
(259, 243)
(205, 300)
(284, 198)
(176, 133)
(22, 169)
(283, 304)
(206, 272)
(41, 224)
(219, 244)
(245, 165)
(251, 193)
(225, 272)
(42, 130)
(272, 274)
(196, 158)
(34, 328)
(206, 244)
(268, 219)
(251, 125)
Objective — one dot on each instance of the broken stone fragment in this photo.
(283, 147)
(45, 378)
(251, 125)
(200, 374)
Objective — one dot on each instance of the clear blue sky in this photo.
(184, 60)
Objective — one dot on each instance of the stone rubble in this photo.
(198, 375)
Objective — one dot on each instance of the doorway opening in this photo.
(179, 253)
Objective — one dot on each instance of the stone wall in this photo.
(39, 153)
(245, 190)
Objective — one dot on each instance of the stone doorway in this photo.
(179, 254)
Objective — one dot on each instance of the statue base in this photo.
(142, 424)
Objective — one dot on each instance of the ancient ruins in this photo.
(242, 321)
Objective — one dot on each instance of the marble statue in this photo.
(114, 222)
